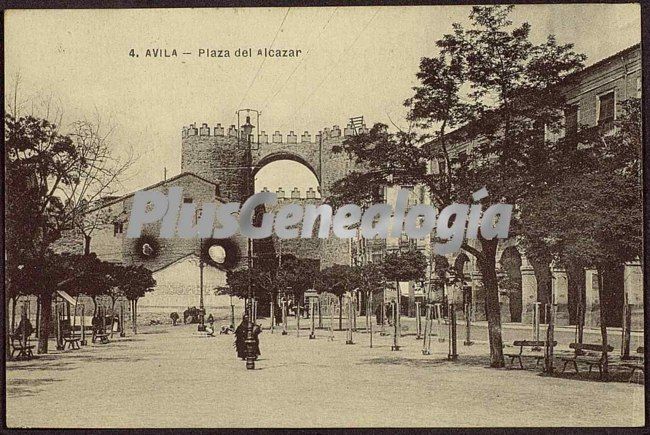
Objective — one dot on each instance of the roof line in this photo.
(604, 60)
(176, 260)
(153, 186)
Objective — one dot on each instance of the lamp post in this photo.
(201, 327)
(250, 341)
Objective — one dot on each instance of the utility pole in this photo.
(247, 129)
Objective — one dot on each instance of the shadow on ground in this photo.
(27, 387)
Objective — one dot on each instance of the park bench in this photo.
(24, 349)
(590, 354)
(636, 363)
(534, 350)
(72, 342)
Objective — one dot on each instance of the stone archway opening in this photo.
(289, 178)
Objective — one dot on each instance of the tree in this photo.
(403, 267)
(48, 175)
(134, 282)
(267, 281)
(337, 280)
(501, 88)
(371, 278)
(589, 215)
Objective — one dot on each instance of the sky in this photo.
(354, 61)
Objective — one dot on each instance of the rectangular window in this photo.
(187, 200)
(607, 106)
(571, 120)
(118, 228)
(442, 166)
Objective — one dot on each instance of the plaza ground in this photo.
(175, 377)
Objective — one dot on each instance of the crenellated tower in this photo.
(219, 155)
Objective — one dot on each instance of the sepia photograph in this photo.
(414, 216)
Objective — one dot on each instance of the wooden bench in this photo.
(24, 350)
(590, 354)
(103, 338)
(533, 346)
(636, 365)
(72, 342)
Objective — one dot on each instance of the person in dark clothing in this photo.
(240, 338)
(26, 326)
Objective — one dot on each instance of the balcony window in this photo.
(606, 108)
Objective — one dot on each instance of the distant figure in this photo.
(174, 316)
(240, 338)
(378, 313)
(389, 314)
(257, 330)
(26, 326)
(96, 323)
(210, 319)
(209, 330)
(226, 329)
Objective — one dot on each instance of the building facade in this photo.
(594, 96)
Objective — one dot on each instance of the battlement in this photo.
(277, 137)
(295, 193)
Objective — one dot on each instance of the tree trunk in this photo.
(14, 302)
(7, 341)
(86, 245)
(487, 267)
(135, 316)
(94, 298)
(603, 323)
(37, 327)
(341, 313)
(277, 308)
(576, 282)
(46, 319)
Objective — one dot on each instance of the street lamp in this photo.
(250, 341)
(201, 327)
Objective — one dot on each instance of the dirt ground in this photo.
(175, 377)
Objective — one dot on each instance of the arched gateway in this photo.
(220, 156)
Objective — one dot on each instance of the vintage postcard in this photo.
(324, 217)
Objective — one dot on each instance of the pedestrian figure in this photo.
(257, 330)
(378, 313)
(210, 319)
(174, 316)
(26, 326)
(240, 338)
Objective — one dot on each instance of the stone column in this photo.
(528, 291)
(561, 293)
(478, 296)
(633, 287)
(592, 299)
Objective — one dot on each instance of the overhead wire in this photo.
(301, 61)
(259, 69)
(336, 64)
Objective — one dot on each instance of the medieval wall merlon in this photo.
(277, 137)
(295, 193)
